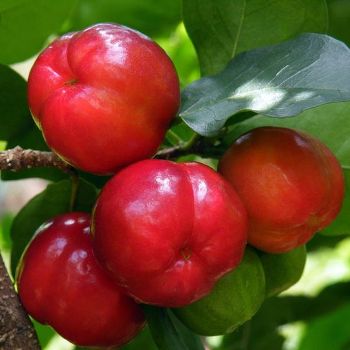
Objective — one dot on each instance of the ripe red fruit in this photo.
(168, 231)
(61, 284)
(291, 184)
(103, 97)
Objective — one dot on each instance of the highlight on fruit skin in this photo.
(60, 283)
(103, 97)
(290, 183)
(168, 231)
(234, 300)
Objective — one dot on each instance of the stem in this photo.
(17, 158)
(16, 329)
(178, 150)
(74, 192)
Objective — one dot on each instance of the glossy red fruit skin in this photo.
(103, 97)
(167, 232)
(291, 184)
(60, 283)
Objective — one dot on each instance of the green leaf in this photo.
(280, 81)
(14, 113)
(151, 17)
(142, 341)
(341, 225)
(329, 332)
(168, 333)
(45, 333)
(54, 200)
(339, 19)
(181, 51)
(5, 225)
(261, 333)
(26, 24)
(220, 29)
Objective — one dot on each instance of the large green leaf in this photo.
(281, 80)
(152, 17)
(331, 331)
(26, 24)
(339, 19)
(168, 333)
(54, 200)
(14, 113)
(220, 29)
(341, 225)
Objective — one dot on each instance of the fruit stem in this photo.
(74, 191)
(181, 148)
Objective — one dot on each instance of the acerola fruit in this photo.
(234, 300)
(60, 283)
(291, 184)
(168, 231)
(103, 97)
(283, 270)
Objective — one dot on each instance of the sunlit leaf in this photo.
(280, 81)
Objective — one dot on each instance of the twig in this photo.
(181, 148)
(17, 158)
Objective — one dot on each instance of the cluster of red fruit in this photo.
(162, 233)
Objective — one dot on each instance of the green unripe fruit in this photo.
(283, 270)
(234, 300)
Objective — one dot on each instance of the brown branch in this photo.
(17, 158)
(16, 329)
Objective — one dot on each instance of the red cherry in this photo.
(291, 184)
(167, 232)
(61, 284)
(103, 97)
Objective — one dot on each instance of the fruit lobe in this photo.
(61, 284)
(291, 184)
(103, 97)
(168, 231)
(283, 270)
(234, 300)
